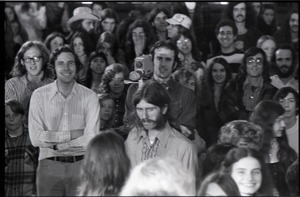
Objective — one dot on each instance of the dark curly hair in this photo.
(19, 69)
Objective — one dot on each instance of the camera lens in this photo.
(138, 65)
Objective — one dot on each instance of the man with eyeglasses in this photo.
(63, 118)
(250, 86)
(226, 33)
(30, 71)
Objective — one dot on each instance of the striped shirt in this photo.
(19, 88)
(21, 160)
(52, 117)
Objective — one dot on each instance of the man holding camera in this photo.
(183, 102)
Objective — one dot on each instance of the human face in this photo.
(269, 47)
(13, 121)
(65, 68)
(34, 67)
(256, 6)
(117, 83)
(289, 105)
(88, 25)
(56, 42)
(184, 45)
(226, 37)
(268, 16)
(108, 24)
(97, 10)
(160, 23)
(239, 12)
(218, 73)
(189, 83)
(284, 60)
(255, 65)
(213, 189)
(105, 48)
(138, 34)
(294, 22)
(150, 115)
(78, 47)
(247, 175)
(172, 31)
(98, 65)
(10, 14)
(163, 63)
(106, 110)
(15, 28)
(278, 126)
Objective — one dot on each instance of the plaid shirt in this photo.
(21, 160)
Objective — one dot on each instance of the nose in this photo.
(145, 114)
(286, 104)
(282, 124)
(249, 176)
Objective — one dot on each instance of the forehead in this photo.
(247, 163)
(269, 43)
(226, 28)
(119, 75)
(164, 52)
(218, 66)
(32, 50)
(289, 96)
(138, 30)
(144, 104)
(87, 21)
(77, 39)
(109, 20)
(295, 16)
(57, 38)
(107, 101)
(258, 55)
(240, 5)
(284, 52)
(65, 56)
(160, 15)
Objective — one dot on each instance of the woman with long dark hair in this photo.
(277, 152)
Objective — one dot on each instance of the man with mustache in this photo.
(183, 102)
(154, 134)
(243, 14)
(283, 67)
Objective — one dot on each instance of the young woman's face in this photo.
(78, 47)
(268, 16)
(218, 73)
(56, 42)
(160, 23)
(106, 110)
(184, 45)
(117, 83)
(108, 24)
(278, 126)
(247, 174)
(98, 65)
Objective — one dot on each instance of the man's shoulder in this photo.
(44, 89)
(180, 140)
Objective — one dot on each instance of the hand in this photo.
(110, 58)
(76, 133)
(139, 45)
(185, 131)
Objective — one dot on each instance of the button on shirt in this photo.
(52, 117)
(168, 143)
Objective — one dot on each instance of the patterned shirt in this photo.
(52, 117)
(251, 94)
(21, 160)
(168, 143)
(20, 89)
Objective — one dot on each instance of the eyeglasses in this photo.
(34, 59)
(253, 61)
(184, 41)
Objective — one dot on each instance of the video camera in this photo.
(143, 68)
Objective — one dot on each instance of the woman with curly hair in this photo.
(113, 83)
(54, 40)
(96, 65)
(276, 150)
(31, 71)
(107, 105)
(105, 166)
(139, 39)
(82, 45)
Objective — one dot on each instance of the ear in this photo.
(164, 109)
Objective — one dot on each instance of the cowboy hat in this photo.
(82, 13)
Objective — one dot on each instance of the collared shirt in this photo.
(293, 135)
(21, 160)
(19, 88)
(52, 117)
(251, 94)
(171, 144)
(276, 81)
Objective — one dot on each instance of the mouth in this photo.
(249, 184)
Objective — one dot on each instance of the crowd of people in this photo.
(158, 103)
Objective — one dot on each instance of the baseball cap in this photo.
(180, 19)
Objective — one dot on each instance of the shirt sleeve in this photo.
(190, 159)
(92, 126)
(38, 134)
(10, 92)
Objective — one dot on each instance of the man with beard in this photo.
(284, 64)
(83, 20)
(243, 15)
(154, 133)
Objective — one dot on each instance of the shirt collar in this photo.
(260, 84)
(24, 79)
(54, 90)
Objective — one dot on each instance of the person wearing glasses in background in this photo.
(251, 85)
(30, 71)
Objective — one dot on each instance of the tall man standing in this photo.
(63, 117)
